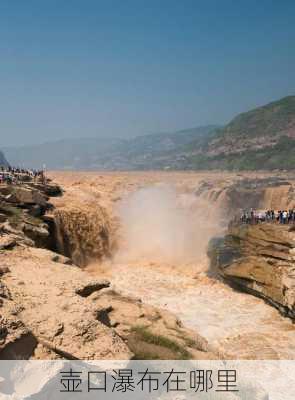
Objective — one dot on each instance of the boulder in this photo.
(24, 195)
(50, 190)
(260, 259)
(38, 233)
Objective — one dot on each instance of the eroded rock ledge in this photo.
(259, 259)
(51, 308)
(22, 215)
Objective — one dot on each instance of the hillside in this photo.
(3, 161)
(258, 128)
(263, 138)
(275, 118)
(141, 152)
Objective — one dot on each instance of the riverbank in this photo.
(126, 298)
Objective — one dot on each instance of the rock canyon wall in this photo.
(143, 239)
(260, 259)
(51, 309)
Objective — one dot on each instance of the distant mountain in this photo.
(263, 138)
(162, 150)
(258, 128)
(106, 154)
(63, 154)
(3, 161)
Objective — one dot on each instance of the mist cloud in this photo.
(160, 225)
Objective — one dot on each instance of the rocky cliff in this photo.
(51, 308)
(261, 193)
(22, 215)
(259, 259)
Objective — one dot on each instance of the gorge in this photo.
(143, 289)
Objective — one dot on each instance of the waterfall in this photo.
(83, 234)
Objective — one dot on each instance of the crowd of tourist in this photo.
(13, 175)
(280, 216)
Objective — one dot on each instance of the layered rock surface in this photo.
(52, 310)
(239, 325)
(261, 260)
(47, 310)
(22, 215)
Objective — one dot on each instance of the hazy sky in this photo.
(122, 68)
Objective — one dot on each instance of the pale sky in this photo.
(127, 68)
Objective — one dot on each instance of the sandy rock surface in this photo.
(144, 239)
(233, 322)
(61, 311)
(261, 259)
